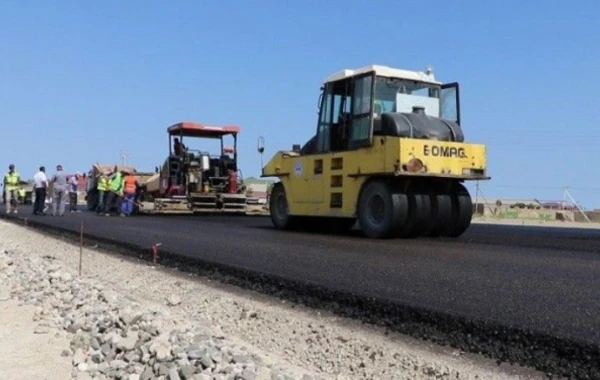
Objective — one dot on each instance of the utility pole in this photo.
(124, 157)
(477, 197)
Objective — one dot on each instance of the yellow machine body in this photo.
(329, 184)
(388, 152)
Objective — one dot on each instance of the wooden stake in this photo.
(80, 246)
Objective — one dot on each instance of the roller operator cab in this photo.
(389, 152)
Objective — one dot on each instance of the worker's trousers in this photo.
(40, 200)
(127, 203)
(12, 199)
(111, 200)
(101, 200)
(58, 200)
(72, 201)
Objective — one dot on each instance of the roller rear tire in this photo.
(382, 211)
(441, 213)
(419, 213)
(462, 212)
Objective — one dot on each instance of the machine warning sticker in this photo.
(298, 168)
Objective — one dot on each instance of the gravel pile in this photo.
(112, 337)
(174, 325)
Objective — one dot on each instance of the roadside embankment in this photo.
(127, 320)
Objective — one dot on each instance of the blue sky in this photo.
(83, 80)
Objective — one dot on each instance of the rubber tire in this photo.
(280, 218)
(395, 210)
(419, 214)
(92, 201)
(462, 212)
(441, 213)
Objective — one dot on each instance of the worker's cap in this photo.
(11, 166)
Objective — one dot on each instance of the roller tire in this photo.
(394, 211)
(419, 214)
(92, 201)
(441, 213)
(462, 212)
(279, 211)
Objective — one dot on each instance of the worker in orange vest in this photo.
(130, 186)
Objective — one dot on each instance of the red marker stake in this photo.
(155, 252)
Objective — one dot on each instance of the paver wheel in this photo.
(278, 208)
(382, 211)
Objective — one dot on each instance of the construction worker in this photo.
(129, 190)
(59, 190)
(103, 187)
(178, 147)
(115, 192)
(41, 186)
(73, 188)
(11, 186)
(22, 193)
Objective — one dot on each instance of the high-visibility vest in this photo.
(12, 180)
(22, 192)
(103, 183)
(130, 184)
(116, 185)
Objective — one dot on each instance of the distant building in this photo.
(523, 203)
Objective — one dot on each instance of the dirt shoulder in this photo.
(257, 337)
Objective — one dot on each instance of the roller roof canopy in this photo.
(192, 129)
(384, 71)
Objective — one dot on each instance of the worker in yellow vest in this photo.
(11, 186)
(22, 193)
(115, 192)
(103, 187)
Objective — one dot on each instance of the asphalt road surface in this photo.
(540, 279)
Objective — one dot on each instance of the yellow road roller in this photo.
(389, 151)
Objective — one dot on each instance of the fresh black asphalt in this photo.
(536, 279)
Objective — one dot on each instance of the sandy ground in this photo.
(25, 354)
(287, 335)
